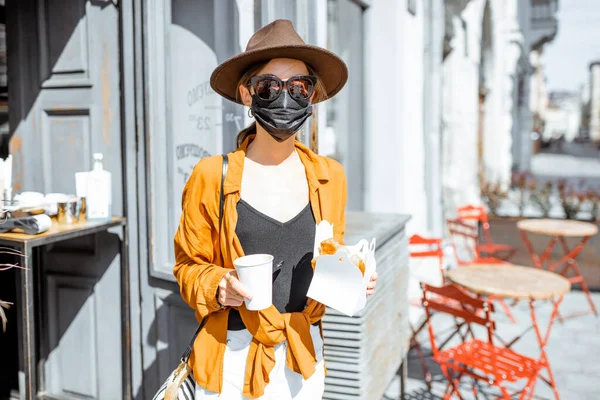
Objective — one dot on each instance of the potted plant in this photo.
(541, 197)
(492, 195)
(571, 200)
(594, 199)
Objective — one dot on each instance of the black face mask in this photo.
(281, 117)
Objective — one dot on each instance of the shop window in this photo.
(342, 135)
(187, 119)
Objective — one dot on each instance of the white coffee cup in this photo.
(256, 274)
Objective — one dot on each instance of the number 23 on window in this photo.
(203, 123)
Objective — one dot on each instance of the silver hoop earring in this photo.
(250, 113)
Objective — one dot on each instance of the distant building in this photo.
(562, 116)
(594, 103)
(538, 95)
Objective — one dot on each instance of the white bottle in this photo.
(99, 192)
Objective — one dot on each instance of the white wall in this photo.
(538, 96)
(433, 36)
(387, 145)
(502, 61)
(395, 111)
(460, 110)
(497, 139)
(412, 146)
(507, 118)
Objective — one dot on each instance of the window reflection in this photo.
(202, 34)
(343, 135)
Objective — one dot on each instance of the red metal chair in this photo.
(467, 254)
(478, 359)
(479, 214)
(420, 247)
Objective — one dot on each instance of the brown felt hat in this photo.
(279, 40)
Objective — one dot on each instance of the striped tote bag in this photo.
(180, 385)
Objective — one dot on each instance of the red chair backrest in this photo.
(434, 246)
(466, 233)
(471, 212)
(476, 213)
(464, 306)
(420, 246)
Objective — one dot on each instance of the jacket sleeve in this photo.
(196, 273)
(339, 227)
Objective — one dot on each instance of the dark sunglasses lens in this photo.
(301, 88)
(267, 88)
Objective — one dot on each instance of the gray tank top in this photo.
(290, 243)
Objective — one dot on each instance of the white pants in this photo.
(284, 383)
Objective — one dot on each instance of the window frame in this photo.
(160, 164)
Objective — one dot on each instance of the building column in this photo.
(384, 65)
(432, 113)
(461, 108)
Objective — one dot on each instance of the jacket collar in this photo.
(316, 167)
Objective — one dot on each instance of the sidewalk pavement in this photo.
(574, 165)
(574, 149)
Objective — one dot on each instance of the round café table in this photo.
(558, 230)
(521, 283)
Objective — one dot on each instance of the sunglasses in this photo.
(269, 87)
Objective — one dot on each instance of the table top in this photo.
(512, 281)
(59, 232)
(558, 227)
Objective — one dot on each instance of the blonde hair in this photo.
(319, 95)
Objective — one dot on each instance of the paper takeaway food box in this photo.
(338, 282)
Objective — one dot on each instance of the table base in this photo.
(567, 263)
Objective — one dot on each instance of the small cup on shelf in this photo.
(68, 211)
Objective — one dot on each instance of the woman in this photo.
(275, 191)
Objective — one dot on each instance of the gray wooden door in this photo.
(64, 105)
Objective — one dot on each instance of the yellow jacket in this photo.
(199, 269)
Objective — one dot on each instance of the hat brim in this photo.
(331, 70)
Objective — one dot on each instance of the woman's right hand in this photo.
(231, 291)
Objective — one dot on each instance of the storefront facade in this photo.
(130, 79)
(426, 105)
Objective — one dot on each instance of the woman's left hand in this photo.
(372, 284)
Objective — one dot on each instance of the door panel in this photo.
(72, 336)
(81, 317)
(68, 137)
(64, 43)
